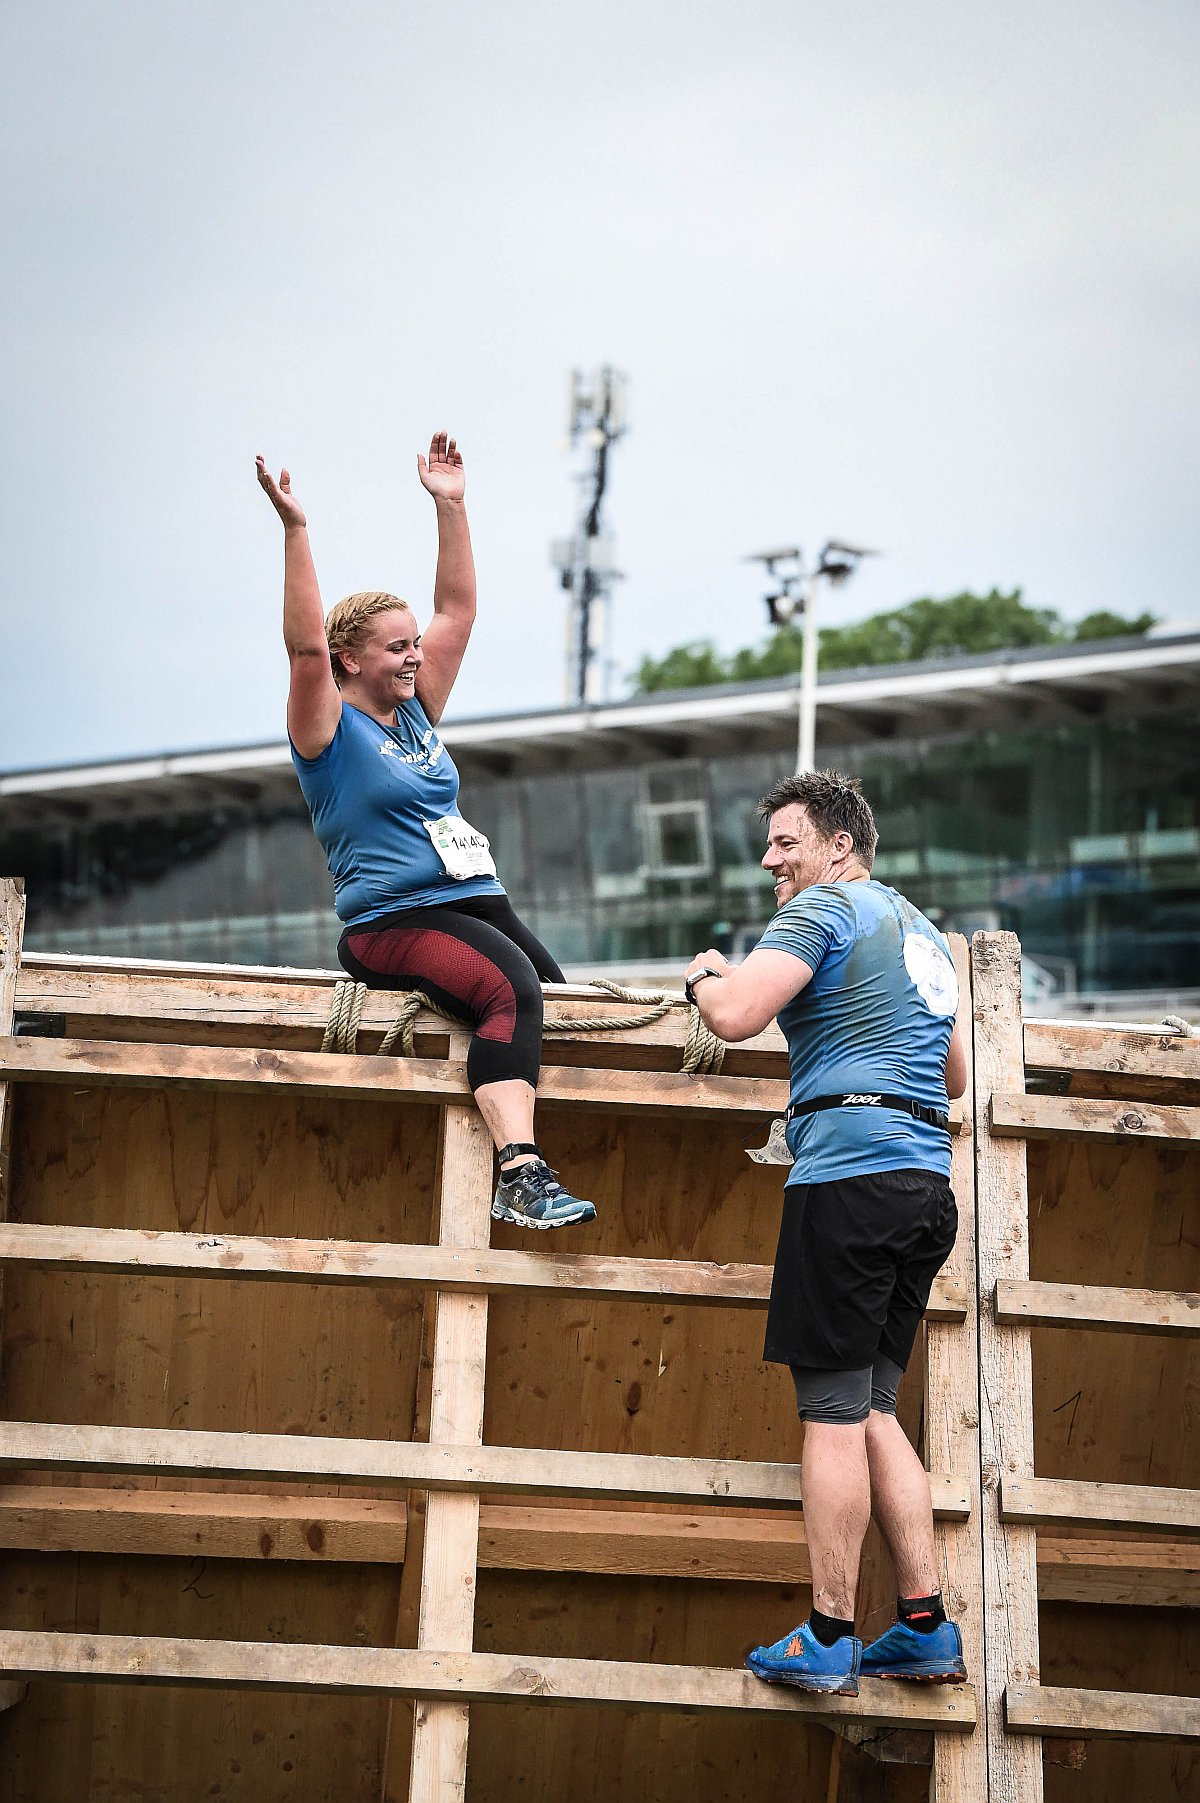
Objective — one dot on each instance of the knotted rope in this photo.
(703, 1052)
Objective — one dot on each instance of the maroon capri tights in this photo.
(480, 962)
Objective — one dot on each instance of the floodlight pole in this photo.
(799, 584)
(806, 726)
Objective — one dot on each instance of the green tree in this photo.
(1104, 625)
(695, 666)
(960, 625)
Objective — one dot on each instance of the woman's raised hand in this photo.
(443, 475)
(280, 495)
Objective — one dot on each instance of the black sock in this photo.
(923, 1613)
(829, 1628)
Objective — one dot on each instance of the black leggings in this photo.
(479, 961)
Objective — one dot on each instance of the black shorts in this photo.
(854, 1267)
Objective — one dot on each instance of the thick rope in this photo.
(703, 1052)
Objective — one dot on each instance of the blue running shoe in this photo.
(531, 1196)
(800, 1659)
(928, 1658)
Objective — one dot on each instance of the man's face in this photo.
(797, 855)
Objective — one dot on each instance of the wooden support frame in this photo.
(1098, 1307)
(458, 1678)
(1100, 1714)
(767, 1548)
(122, 1064)
(1011, 1637)
(488, 1505)
(501, 1470)
(1074, 1502)
(1026, 1117)
(124, 1251)
(959, 1771)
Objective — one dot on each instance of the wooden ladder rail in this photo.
(1005, 1372)
(1019, 1711)
(12, 926)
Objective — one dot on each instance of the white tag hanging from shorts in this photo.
(776, 1149)
(463, 849)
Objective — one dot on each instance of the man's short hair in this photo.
(834, 802)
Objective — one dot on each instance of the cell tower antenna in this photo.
(597, 415)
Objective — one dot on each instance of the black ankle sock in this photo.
(829, 1628)
(923, 1613)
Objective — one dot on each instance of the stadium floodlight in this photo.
(794, 585)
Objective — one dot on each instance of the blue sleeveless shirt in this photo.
(373, 793)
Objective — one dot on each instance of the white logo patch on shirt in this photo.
(932, 973)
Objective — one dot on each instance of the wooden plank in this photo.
(1095, 1306)
(463, 1677)
(1075, 1502)
(450, 1268)
(272, 1008)
(451, 1542)
(1046, 1117)
(1005, 1371)
(115, 1063)
(1057, 1046)
(332, 1529)
(512, 1470)
(1100, 1714)
(12, 922)
(959, 1773)
(198, 1524)
(1161, 1574)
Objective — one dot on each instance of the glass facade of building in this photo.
(1083, 838)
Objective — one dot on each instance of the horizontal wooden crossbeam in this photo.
(272, 1007)
(1093, 1306)
(1102, 1714)
(123, 1250)
(514, 1470)
(1161, 1574)
(462, 1677)
(1055, 1046)
(764, 1548)
(117, 1063)
(1033, 1117)
(1076, 1502)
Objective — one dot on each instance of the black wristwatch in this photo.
(689, 983)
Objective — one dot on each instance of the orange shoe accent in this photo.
(795, 1647)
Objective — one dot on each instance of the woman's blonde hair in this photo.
(347, 624)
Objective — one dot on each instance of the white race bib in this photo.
(463, 849)
(933, 974)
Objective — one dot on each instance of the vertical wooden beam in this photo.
(1010, 1608)
(451, 1543)
(12, 925)
(952, 1440)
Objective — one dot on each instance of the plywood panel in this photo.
(151, 1351)
(81, 1741)
(1109, 1406)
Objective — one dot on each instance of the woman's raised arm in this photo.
(314, 704)
(445, 638)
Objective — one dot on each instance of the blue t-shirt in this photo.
(371, 793)
(877, 1016)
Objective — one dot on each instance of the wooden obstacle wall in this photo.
(276, 1266)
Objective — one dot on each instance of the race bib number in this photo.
(932, 972)
(463, 849)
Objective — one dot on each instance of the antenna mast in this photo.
(597, 415)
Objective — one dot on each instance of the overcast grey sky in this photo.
(924, 276)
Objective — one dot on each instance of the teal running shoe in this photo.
(531, 1196)
(800, 1659)
(926, 1658)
